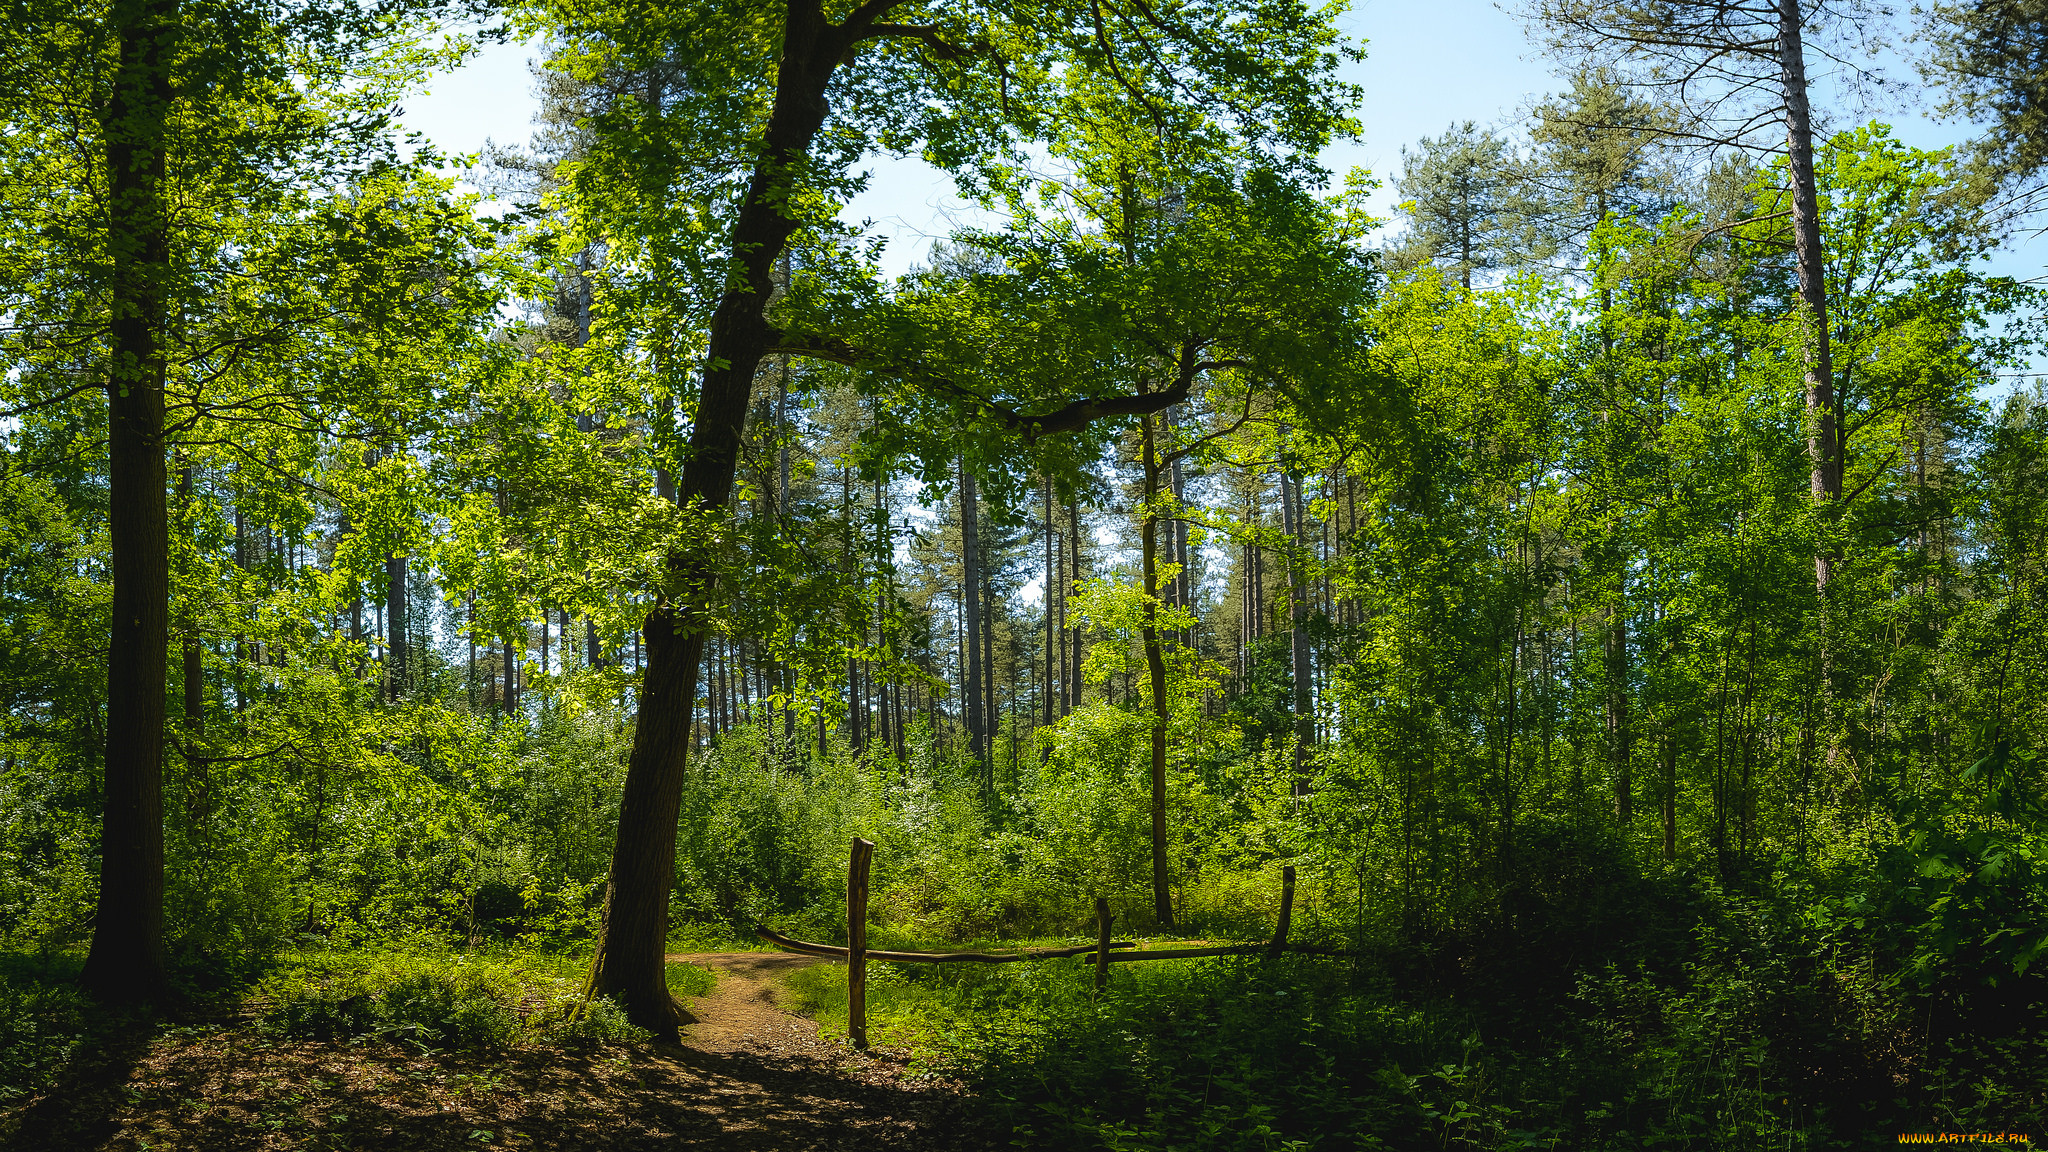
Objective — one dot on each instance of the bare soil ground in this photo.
(749, 1077)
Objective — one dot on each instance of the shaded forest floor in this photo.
(749, 1076)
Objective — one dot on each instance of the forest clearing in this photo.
(586, 645)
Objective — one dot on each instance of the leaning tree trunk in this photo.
(126, 962)
(629, 966)
(1155, 665)
(629, 962)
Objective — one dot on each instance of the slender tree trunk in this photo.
(1052, 623)
(194, 669)
(1822, 444)
(970, 586)
(396, 654)
(991, 708)
(1291, 514)
(126, 962)
(1155, 666)
(1620, 735)
(1074, 641)
(1670, 798)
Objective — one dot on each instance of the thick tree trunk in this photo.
(126, 962)
(629, 964)
(1155, 667)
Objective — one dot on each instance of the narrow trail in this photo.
(749, 1077)
(741, 1014)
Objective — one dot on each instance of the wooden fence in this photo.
(1105, 952)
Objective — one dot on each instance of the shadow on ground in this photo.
(763, 1082)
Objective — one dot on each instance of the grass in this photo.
(690, 979)
(943, 1013)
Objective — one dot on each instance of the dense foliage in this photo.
(1660, 771)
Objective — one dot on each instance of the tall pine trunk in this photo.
(126, 962)
(1822, 446)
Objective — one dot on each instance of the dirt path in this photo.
(741, 1013)
(749, 1078)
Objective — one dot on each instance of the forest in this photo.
(449, 603)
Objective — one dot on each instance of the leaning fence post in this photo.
(857, 941)
(1102, 919)
(1286, 908)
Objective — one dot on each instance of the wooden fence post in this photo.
(857, 941)
(1286, 908)
(1102, 919)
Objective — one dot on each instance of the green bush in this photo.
(41, 1022)
(441, 1001)
(598, 1022)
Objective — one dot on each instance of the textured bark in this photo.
(1074, 649)
(1297, 601)
(126, 962)
(629, 964)
(1155, 667)
(970, 593)
(1052, 623)
(396, 654)
(1823, 438)
(194, 669)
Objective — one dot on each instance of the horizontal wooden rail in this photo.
(838, 953)
(833, 950)
(1185, 953)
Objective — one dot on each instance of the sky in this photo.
(1427, 66)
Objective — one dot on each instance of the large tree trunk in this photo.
(126, 962)
(1155, 666)
(629, 964)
